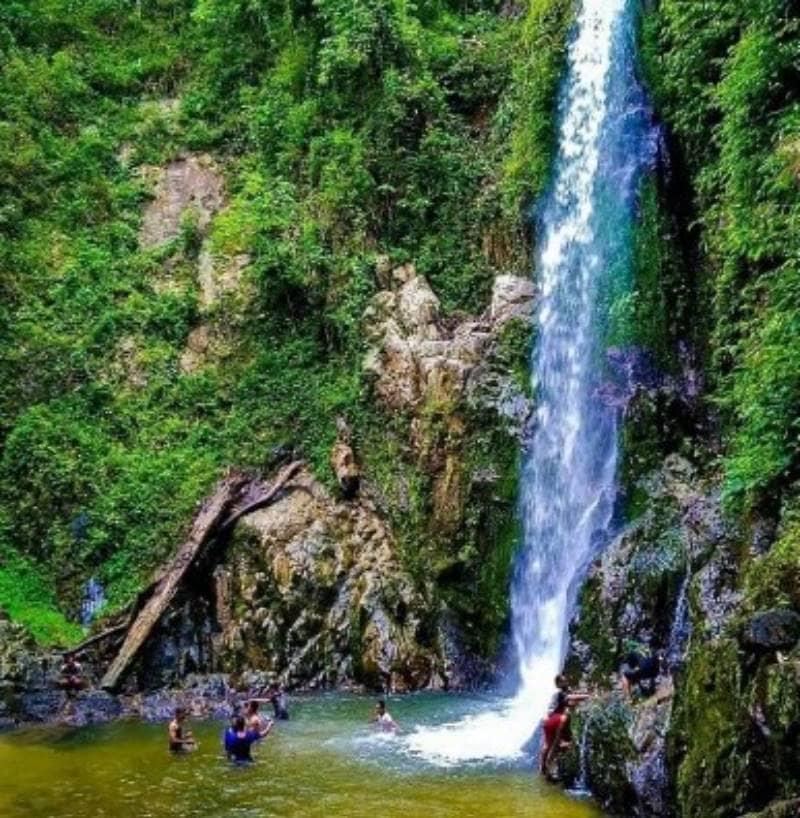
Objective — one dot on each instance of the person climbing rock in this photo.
(71, 677)
(556, 726)
(180, 740)
(382, 719)
(642, 671)
(239, 740)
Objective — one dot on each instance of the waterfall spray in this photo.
(567, 486)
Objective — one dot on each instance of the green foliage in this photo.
(26, 597)
(346, 130)
(726, 78)
(529, 109)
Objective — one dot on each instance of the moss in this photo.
(712, 716)
(775, 579)
(513, 353)
(609, 749)
(594, 628)
(476, 583)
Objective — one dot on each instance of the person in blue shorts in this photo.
(239, 739)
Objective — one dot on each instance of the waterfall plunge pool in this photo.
(326, 762)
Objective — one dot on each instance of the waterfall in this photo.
(581, 785)
(567, 487)
(93, 599)
(681, 626)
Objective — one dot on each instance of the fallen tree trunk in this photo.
(169, 581)
(261, 496)
(206, 526)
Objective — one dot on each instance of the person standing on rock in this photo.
(180, 740)
(640, 670)
(556, 727)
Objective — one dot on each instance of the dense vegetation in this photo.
(725, 77)
(726, 80)
(345, 130)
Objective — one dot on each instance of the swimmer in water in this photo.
(255, 721)
(240, 738)
(180, 740)
(382, 719)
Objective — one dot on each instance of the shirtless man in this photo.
(255, 721)
(180, 740)
(382, 719)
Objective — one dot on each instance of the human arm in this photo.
(177, 738)
(577, 698)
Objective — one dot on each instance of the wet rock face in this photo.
(668, 574)
(29, 685)
(721, 735)
(633, 592)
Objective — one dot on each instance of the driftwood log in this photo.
(209, 523)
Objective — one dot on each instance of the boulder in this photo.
(343, 463)
(777, 629)
(778, 809)
(512, 297)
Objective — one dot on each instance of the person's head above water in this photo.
(381, 706)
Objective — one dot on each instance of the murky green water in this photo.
(326, 762)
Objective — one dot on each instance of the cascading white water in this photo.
(567, 483)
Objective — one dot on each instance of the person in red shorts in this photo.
(555, 727)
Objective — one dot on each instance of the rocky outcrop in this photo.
(417, 357)
(721, 735)
(311, 592)
(768, 631)
(29, 685)
(190, 187)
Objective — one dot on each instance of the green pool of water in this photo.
(327, 762)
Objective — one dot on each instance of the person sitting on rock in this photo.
(382, 719)
(71, 675)
(556, 727)
(642, 671)
(239, 739)
(180, 740)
